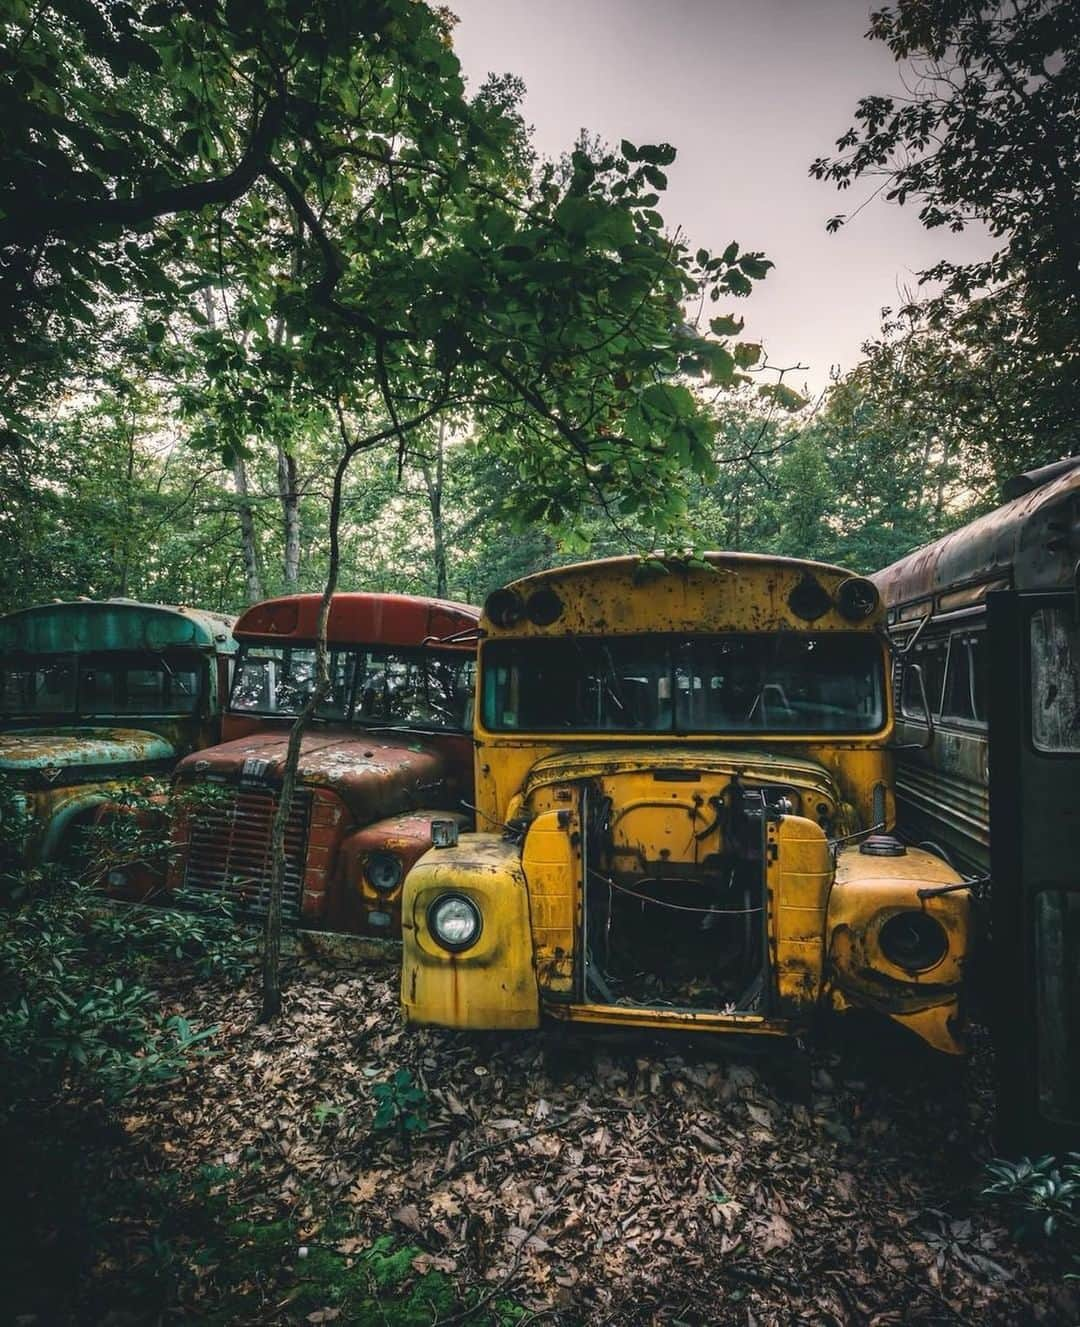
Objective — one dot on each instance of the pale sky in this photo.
(749, 92)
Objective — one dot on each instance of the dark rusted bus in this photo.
(388, 753)
(991, 616)
(96, 694)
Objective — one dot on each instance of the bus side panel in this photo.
(1035, 890)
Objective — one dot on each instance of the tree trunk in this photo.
(289, 489)
(271, 956)
(129, 479)
(248, 542)
(433, 478)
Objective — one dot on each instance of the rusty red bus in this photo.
(388, 752)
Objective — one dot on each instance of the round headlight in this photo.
(454, 921)
(383, 871)
(913, 941)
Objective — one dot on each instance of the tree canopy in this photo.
(301, 209)
(987, 135)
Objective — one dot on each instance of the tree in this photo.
(990, 134)
(381, 253)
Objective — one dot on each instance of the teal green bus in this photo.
(95, 695)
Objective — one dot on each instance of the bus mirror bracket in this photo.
(902, 650)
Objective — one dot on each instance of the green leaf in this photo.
(649, 569)
(755, 266)
(719, 361)
(782, 395)
(728, 325)
(660, 154)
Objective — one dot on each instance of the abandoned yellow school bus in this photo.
(684, 801)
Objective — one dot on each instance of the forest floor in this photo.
(562, 1176)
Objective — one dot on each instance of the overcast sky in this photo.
(749, 92)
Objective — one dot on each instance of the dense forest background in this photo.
(191, 235)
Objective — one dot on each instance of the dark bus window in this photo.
(965, 680)
(39, 686)
(424, 689)
(97, 690)
(784, 682)
(980, 663)
(1055, 680)
(930, 656)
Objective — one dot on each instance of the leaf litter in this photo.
(611, 1178)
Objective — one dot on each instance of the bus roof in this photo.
(1018, 544)
(628, 595)
(91, 625)
(359, 618)
(634, 564)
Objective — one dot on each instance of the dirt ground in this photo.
(611, 1180)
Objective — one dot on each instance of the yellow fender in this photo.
(869, 891)
(492, 984)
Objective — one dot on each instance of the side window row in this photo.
(954, 673)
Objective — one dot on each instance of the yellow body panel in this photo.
(552, 866)
(867, 893)
(666, 799)
(491, 985)
(671, 1020)
(798, 874)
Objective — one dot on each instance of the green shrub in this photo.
(76, 1009)
(1041, 1201)
(400, 1106)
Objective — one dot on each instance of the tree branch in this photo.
(29, 218)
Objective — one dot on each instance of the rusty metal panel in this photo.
(492, 984)
(113, 624)
(868, 892)
(1030, 543)
(728, 592)
(552, 869)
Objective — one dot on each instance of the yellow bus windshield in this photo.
(782, 682)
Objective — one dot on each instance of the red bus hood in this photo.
(375, 774)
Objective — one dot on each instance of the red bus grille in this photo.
(228, 851)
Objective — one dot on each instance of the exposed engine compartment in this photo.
(675, 902)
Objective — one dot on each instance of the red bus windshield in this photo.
(368, 685)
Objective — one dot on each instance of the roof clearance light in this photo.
(504, 608)
(809, 599)
(857, 598)
(543, 608)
